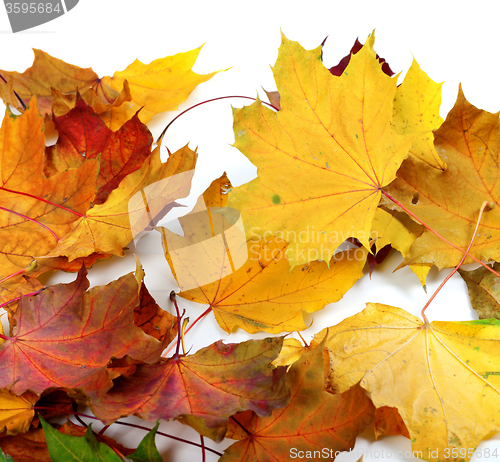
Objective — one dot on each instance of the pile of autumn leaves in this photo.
(345, 154)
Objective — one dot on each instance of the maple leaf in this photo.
(32, 446)
(202, 390)
(449, 201)
(258, 292)
(35, 211)
(84, 135)
(398, 230)
(156, 87)
(314, 419)
(46, 73)
(4, 457)
(416, 109)
(64, 337)
(16, 412)
(65, 448)
(333, 137)
(484, 291)
(385, 349)
(130, 208)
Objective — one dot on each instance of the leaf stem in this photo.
(203, 453)
(182, 440)
(483, 206)
(172, 298)
(201, 316)
(208, 101)
(29, 268)
(465, 252)
(141, 427)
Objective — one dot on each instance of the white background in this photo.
(452, 41)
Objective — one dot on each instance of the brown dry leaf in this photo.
(156, 87)
(441, 377)
(416, 110)
(484, 291)
(331, 147)
(249, 284)
(449, 201)
(314, 419)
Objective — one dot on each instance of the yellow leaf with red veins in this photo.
(442, 377)
(449, 201)
(323, 158)
(252, 286)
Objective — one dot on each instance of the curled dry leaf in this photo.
(201, 390)
(452, 368)
(324, 157)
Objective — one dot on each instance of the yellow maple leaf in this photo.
(443, 377)
(400, 231)
(416, 110)
(16, 412)
(249, 284)
(324, 157)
